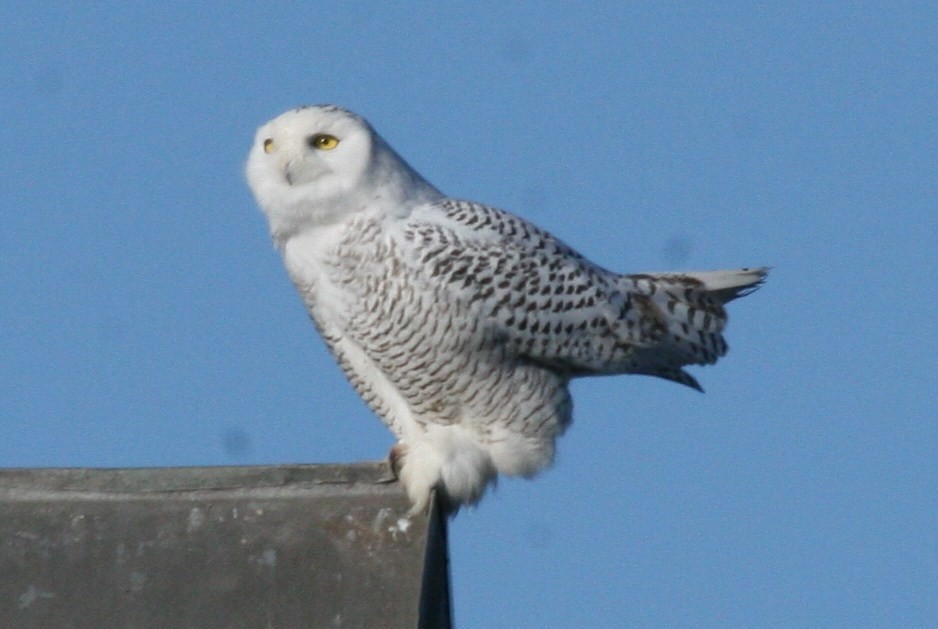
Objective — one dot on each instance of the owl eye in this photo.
(322, 141)
(268, 146)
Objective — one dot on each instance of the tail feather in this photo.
(725, 286)
(688, 311)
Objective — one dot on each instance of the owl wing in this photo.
(552, 306)
(543, 299)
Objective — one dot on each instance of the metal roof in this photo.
(269, 546)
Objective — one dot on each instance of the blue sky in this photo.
(145, 318)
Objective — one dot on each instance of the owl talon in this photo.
(396, 458)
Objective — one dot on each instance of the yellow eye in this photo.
(323, 141)
(268, 146)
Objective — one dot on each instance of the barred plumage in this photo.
(461, 325)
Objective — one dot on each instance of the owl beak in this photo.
(299, 171)
(288, 171)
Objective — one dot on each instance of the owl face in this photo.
(312, 145)
(316, 166)
(309, 164)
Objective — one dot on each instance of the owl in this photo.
(462, 325)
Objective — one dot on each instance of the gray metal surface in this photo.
(277, 546)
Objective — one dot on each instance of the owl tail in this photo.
(726, 286)
(688, 310)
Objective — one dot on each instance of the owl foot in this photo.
(396, 458)
(418, 478)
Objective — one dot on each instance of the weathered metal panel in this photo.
(276, 546)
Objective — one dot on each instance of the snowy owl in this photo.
(461, 325)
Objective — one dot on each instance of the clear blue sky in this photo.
(145, 318)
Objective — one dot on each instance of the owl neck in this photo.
(394, 184)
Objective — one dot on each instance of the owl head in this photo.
(315, 166)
